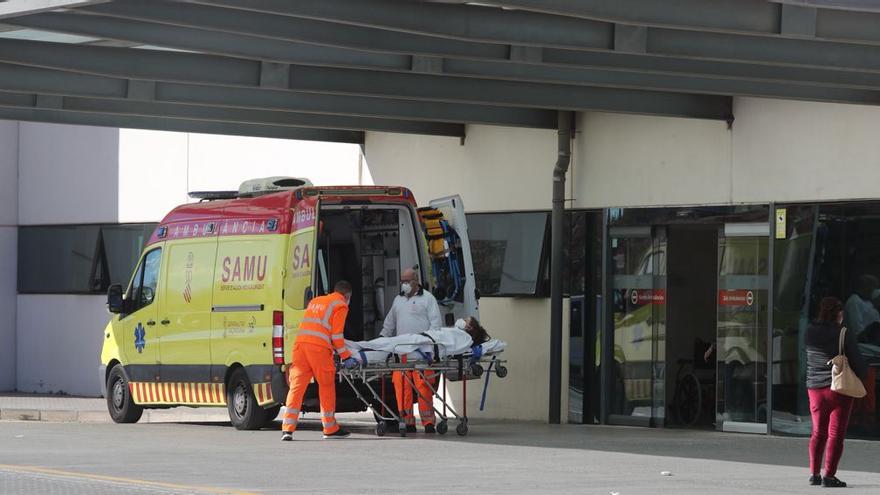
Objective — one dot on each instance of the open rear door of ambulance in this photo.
(451, 266)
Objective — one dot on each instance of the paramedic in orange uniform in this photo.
(415, 310)
(320, 335)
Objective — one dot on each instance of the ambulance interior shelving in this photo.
(368, 246)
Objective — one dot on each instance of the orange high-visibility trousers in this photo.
(310, 360)
(404, 392)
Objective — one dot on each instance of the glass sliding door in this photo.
(636, 381)
(741, 351)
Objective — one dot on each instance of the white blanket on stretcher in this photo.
(450, 341)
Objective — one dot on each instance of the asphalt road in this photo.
(509, 458)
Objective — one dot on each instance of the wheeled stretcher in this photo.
(376, 366)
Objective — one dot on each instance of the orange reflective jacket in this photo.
(324, 322)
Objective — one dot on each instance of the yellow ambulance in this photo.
(213, 307)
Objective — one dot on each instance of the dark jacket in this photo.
(822, 340)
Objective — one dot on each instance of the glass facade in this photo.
(584, 286)
(824, 250)
(78, 259)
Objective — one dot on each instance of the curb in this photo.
(70, 416)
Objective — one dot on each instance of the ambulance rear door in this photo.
(457, 298)
(299, 286)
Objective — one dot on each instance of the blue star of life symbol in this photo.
(139, 334)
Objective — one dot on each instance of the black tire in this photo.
(244, 412)
(501, 371)
(271, 413)
(442, 427)
(381, 429)
(119, 402)
(462, 429)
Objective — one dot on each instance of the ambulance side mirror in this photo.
(115, 303)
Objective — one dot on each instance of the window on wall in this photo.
(510, 252)
(78, 259)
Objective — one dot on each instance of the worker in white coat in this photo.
(414, 310)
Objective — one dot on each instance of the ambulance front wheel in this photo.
(119, 402)
(244, 411)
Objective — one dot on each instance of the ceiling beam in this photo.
(480, 24)
(179, 125)
(15, 8)
(841, 20)
(87, 61)
(610, 54)
(224, 71)
(406, 86)
(227, 115)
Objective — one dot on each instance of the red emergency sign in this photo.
(736, 297)
(648, 296)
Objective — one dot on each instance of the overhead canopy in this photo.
(332, 69)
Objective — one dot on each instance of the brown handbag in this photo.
(843, 380)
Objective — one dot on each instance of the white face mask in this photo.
(460, 324)
(406, 288)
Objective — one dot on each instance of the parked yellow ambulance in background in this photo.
(213, 308)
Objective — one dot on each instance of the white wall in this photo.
(632, 160)
(67, 174)
(524, 324)
(59, 343)
(803, 151)
(498, 168)
(8, 250)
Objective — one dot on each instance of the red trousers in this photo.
(311, 361)
(830, 412)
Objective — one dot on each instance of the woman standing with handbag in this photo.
(831, 403)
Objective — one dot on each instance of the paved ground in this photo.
(509, 458)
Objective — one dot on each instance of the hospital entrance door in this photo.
(635, 384)
(741, 340)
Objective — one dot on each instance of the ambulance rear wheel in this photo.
(244, 411)
(119, 401)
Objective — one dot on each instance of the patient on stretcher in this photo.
(467, 338)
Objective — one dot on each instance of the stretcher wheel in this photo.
(501, 371)
(381, 429)
(442, 427)
(402, 429)
(462, 429)
(476, 370)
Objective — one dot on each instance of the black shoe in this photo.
(815, 479)
(287, 436)
(410, 428)
(832, 482)
(430, 429)
(340, 433)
